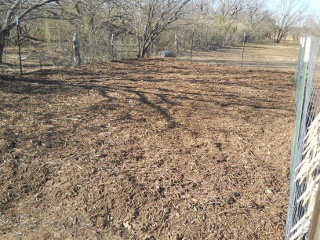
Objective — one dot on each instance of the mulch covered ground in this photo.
(145, 149)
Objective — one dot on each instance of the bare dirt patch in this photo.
(145, 150)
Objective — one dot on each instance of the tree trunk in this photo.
(278, 35)
(278, 39)
(139, 55)
(76, 48)
(1, 52)
(143, 47)
(3, 35)
(144, 52)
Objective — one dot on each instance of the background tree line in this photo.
(118, 29)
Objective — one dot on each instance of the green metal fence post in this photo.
(299, 109)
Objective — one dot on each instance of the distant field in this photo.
(269, 55)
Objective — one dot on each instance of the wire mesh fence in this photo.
(48, 54)
(307, 78)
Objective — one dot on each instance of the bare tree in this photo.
(10, 9)
(96, 21)
(310, 26)
(258, 13)
(203, 8)
(149, 18)
(154, 24)
(232, 8)
(287, 16)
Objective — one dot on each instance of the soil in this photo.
(145, 149)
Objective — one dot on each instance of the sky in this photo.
(314, 5)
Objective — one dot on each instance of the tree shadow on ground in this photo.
(146, 90)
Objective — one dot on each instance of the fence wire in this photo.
(307, 78)
(55, 53)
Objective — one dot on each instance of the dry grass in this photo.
(268, 55)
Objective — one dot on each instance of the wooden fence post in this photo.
(19, 43)
(244, 43)
(76, 48)
(192, 39)
(176, 42)
(112, 47)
